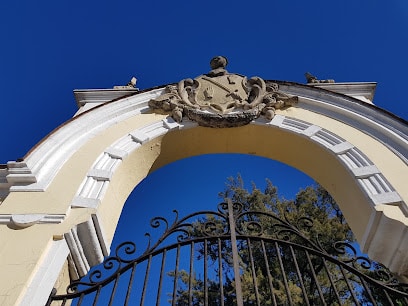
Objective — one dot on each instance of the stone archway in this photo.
(65, 197)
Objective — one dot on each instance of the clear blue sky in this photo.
(49, 48)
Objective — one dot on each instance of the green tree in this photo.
(272, 273)
(329, 225)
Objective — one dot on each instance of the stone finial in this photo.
(218, 64)
(130, 85)
(310, 79)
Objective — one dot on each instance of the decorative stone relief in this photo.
(222, 99)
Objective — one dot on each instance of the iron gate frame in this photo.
(231, 222)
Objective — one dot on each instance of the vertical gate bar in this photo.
(220, 272)
(235, 257)
(333, 285)
(367, 289)
(97, 295)
(302, 285)
(269, 273)
(190, 277)
(81, 298)
(251, 258)
(163, 263)
(132, 276)
(205, 273)
(388, 297)
(315, 277)
(173, 302)
(146, 278)
(50, 299)
(114, 289)
(285, 281)
(348, 285)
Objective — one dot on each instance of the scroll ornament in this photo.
(221, 99)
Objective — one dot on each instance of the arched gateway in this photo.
(61, 203)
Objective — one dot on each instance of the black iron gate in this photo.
(235, 257)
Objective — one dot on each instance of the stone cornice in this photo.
(361, 90)
(89, 98)
(99, 96)
(44, 161)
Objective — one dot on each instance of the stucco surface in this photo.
(23, 249)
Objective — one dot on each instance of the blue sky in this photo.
(49, 48)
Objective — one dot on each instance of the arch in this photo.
(78, 178)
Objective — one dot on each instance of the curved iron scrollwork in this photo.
(264, 235)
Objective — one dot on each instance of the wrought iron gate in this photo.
(235, 256)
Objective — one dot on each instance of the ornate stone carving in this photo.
(222, 99)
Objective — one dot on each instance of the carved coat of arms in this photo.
(222, 99)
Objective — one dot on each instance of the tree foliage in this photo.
(312, 202)
(272, 273)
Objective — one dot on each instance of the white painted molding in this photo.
(27, 220)
(311, 130)
(391, 197)
(100, 174)
(95, 97)
(383, 126)
(386, 236)
(87, 245)
(48, 157)
(341, 148)
(100, 233)
(372, 182)
(363, 91)
(23, 221)
(78, 202)
(365, 171)
(42, 283)
(91, 191)
(277, 120)
(139, 137)
(44, 162)
(77, 253)
(170, 124)
(20, 173)
(116, 153)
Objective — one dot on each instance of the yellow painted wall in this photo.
(22, 249)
